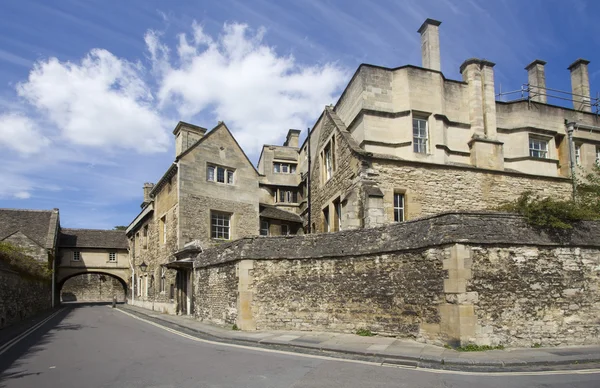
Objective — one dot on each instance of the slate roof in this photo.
(40, 226)
(270, 211)
(93, 238)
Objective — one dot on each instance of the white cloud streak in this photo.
(20, 133)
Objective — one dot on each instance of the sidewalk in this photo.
(387, 350)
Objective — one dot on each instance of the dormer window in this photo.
(284, 168)
(219, 174)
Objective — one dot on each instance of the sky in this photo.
(91, 90)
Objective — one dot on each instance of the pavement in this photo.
(388, 350)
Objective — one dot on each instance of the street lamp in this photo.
(143, 267)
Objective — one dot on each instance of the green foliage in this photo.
(478, 348)
(364, 333)
(235, 327)
(18, 261)
(536, 345)
(120, 227)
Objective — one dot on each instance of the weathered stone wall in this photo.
(92, 288)
(30, 247)
(456, 278)
(531, 295)
(389, 294)
(21, 298)
(215, 294)
(431, 189)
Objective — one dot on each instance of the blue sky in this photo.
(91, 90)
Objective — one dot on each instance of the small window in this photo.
(538, 148)
(284, 168)
(76, 256)
(112, 257)
(598, 155)
(420, 136)
(578, 154)
(172, 291)
(163, 230)
(285, 230)
(326, 223)
(145, 236)
(264, 228)
(220, 225)
(398, 207)
(219, 174)
(286, 196)
(337, 206)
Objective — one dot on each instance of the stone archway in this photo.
(91, 286)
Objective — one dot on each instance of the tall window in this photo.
(326, 220)
(538, 147)
(264, 228)
(337, 205)
(284, 168)
(145, 236)
(162, 279)
(285, 230)
(578, 154)
(76, 256)
(162, 224)
(398, 207)
(112, 257)
(219, 174)
(598, 155)
(328, 160)
(420, 136)
(220, 225)
(290, 196)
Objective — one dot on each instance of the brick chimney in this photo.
(580, 85)
(292, 138)
(147, 189)
(186, 135)
(536, 78)
(430, 44)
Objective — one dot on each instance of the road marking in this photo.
(27, 332)
(371, 363)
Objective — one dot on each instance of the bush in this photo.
(18, 261)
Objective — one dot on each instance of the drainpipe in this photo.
(53, 279)
(132, 280)
(570, 129)
(308, 183)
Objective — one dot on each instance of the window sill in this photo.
(221, 183)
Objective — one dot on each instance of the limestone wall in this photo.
(21, 298)
(453, 278)
(92, 288)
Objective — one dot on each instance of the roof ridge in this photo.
(95, 230)
(30, 210)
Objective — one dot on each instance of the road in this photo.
(96, 346)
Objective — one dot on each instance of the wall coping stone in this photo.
(470, 228)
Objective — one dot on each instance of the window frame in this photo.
(216, 233)
(326, 220)
(286, 195)
(262, 228)
(328, 160)
(577, 154)
(597, 155)
(162, 281)
(337, 208)
(220, 174)
(76, 256)
(399, 209)
(278, 168)
(112, 257)
(287, 230)
(420, 142)
(541, 151)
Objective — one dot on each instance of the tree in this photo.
(120, 227)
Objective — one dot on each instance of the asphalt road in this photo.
(96, 346)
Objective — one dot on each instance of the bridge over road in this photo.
(92, 265)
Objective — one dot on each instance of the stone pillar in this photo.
(536, 78)
(580, 85)
(430, 44)
(245, 319)
(486, 150)
(457, 316)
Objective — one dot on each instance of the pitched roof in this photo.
(93, 238)
(270, 211)
(40, 226)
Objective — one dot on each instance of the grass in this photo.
(364, 333)
(235, 327)
(478, 348)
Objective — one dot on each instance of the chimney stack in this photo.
(186, 135)
(147, 189)
(292, 138)
(430, 44)
(536, 78)
(580, 85)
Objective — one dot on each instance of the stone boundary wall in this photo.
(92, 287)
(21, 298)
(457, 278)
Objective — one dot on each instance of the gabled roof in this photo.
(93, 238)
(41, 226)
(270, 211)
(206, 137)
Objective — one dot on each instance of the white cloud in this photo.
(239, 79)
(19, 133)
(102, 101)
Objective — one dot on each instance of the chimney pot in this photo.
(430, 44)
(536, 78)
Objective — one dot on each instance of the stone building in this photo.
(407, 142)
(35, 231)
(210, 194)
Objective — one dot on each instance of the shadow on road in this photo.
(12, 359)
